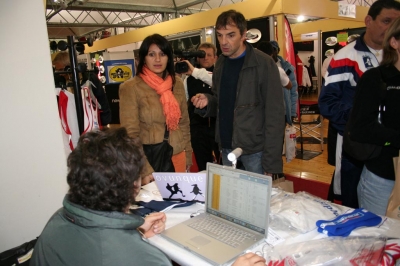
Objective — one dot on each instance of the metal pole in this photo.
(75, 80)
(271, 20)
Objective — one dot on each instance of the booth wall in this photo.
(33, 164)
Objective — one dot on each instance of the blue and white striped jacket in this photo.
(344, 71)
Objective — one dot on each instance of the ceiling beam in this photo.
(319, 8)
(193, 22)
(92, 25)
(190, 4)
(117, 7)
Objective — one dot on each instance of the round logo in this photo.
(253, 35)
(120, 73)
(331, 41)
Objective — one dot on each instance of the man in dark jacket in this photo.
(337, 94)
(247, 99)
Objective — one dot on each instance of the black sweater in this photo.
(364, 116)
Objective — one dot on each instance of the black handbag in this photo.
(359, 150)
(20, 255)
(160, 155)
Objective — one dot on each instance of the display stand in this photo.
(309, 128)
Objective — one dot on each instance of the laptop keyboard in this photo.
(221, 231)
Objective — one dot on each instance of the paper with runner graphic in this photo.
(181, 186)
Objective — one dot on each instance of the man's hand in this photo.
(199, 100)
(249, 259)
(147, 179)
(190, 68)
(154, 223)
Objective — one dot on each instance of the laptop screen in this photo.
(239, 196)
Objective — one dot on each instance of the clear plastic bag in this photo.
(290, 143)
(300, 211)
(343, 251)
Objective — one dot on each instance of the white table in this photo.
(389, 228)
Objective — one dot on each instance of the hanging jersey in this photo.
(68, 118)
(90, 108)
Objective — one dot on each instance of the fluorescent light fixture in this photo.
(300, 18)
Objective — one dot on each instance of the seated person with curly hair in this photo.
(94, 226)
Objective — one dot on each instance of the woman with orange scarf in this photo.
(155, 98)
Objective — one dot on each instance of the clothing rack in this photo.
(74, 70)
(75, 80)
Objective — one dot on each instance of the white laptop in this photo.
(237, 200)
(181, 186)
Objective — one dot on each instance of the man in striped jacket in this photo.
(336, 98)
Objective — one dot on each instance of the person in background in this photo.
(247, 99)
(202, 129)
(332, 137)
(325, 65)
(61, 62)
(299, 68)
(377, 177)
(337, 94)
(267, 48)
(94, 226)
(291, 96)
(155, 99)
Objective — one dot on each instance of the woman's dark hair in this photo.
(378, 5)
(390, 56)
(234, 18)
(164, 46)
(103, 169)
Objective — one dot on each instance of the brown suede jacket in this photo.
(142, 115)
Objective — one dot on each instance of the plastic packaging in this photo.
(341, 251)
(300, 211)
(290, 143)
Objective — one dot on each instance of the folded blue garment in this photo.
(345, 223)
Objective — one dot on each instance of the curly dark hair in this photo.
(103, 169)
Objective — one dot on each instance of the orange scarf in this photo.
(172, 111)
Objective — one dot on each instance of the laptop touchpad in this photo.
(199, 241)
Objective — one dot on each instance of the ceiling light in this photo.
(300, 18)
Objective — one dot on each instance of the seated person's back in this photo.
(95, 227)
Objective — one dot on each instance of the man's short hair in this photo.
(103, 168)
(207, 45)
(231, 17)
(275, 45)
(266, 47)
(378, 5)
